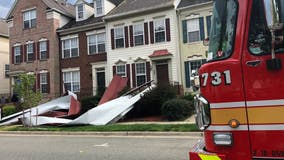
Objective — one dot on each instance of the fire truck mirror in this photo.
(273, 14)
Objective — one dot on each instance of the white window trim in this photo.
(95, 7)
(40, 81)
(77, 11)
(6, 71)
(160, 31)
(27, 50)
(42, 50)
(96, 36)
(70, 53)
(125, 68)
(143, 34)
(29, 19)
(72, 70)
(123, 32)
(188, 20)
(136, 74)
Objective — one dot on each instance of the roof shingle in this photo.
(186, 3)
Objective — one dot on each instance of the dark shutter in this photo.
(148, 73)
(112, 38)
(47, 49)
(128, 74)
(13, 55)
(201, 27)
(114, 70)
(131, 35)
(187, 76)
(146, 33)
(151, 32)
(133, 75)
(38, 51)
(23, 53)
(126, 37)
(208, 23)
(184, 31)
(168, 30)
(38, 81)
(48, 82)
(34, 51)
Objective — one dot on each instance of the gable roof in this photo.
(60, 6)
(3, 28)
(129, 7)
(187, 3)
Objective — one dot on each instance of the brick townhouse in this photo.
(34, 41)
(83, 54)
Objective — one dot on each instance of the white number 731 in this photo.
(217, 78)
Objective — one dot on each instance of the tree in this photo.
(25, 89)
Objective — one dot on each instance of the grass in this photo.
(109, 128)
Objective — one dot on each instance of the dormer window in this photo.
(99, 7)
(80, 11)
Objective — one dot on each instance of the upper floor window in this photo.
(7, 70)
(80, 11)
(119, 37)
(72, 81)
(99, 7)
(30, 52)
(121, 70)
(193, 32)
(140, 73)
(43, 83)
(160, 30)
(29, 19)
(96, 43)
(70, 48)
(138, 30)
(17, 54)
(43, 50)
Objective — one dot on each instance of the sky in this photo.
(5, 6)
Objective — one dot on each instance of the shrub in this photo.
(8, 110)
(188, 97)
(151, 103)
(177, 109)
(88, 103)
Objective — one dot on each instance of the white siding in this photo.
(132, 53)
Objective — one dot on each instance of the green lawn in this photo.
(110, 128)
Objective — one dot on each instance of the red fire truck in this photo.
(241, 101)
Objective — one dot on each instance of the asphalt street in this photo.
(77, 147)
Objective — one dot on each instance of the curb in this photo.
(183, 134)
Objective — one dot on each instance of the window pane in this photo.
(118, 33)
(193, 25)
(120, 70)
(74, 52)
(101, 38)
(159, 25)
(76, 76)
(67, 77)
(140, 68)
(66, 44)
(92, 39)
(92, 49)
(193, 36)
(74, 43)
(101, 48)
(26, 16)
(119, 43)
(33, 22)
(33, 14)
(139, 40)
(66, 53)
(141, 80)
(26, 24)
(138, 29)
(160, 36)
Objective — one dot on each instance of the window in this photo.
(121, 70)
(30, 52)
(138, 30)
(140, 73)
(96, 43)
(43, 50)
(70, 48)
(43, 83)
(7, 70)
(119, 37)
(191, 70)
(80, 11)
(17, 54)
(29, 18)
(222, 34)
(259, 35)
(72, 81)
(193, 32)
(99, 7)
(160, 30)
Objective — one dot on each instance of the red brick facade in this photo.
(44, 29)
